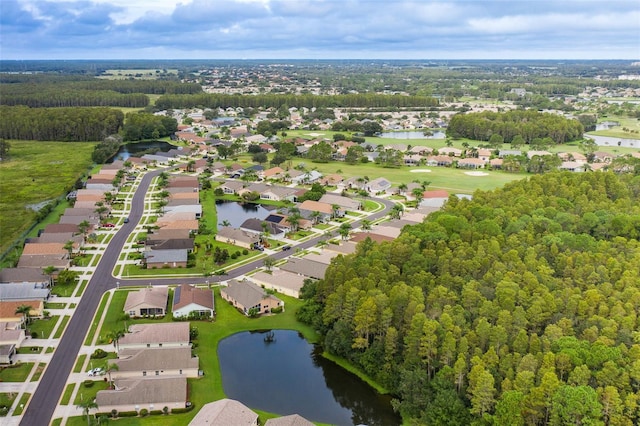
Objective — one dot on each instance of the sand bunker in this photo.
(421, 171)
(314, 134)
(476, 173)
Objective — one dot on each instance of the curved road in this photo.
(45, 399)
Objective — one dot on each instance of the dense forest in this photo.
(299, 101)
(517, 307)
(74, 124)
(528, 124)
(140, 125)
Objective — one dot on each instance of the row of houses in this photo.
(153, 301)
(169, 245)
(153, 364)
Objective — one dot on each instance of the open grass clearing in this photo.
(89, 393)
(27, 179)
(6, 401)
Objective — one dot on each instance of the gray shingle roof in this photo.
(225, 412)
(156, 359)
(150, 390)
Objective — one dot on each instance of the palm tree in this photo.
(115, 336)
(344, 230)
(334, 210)
(396, 211)
(315, 216)
(110, 368)
(402, 188)
(294, 221)
(68, 246)
(225, 223)
(269, 262)
(83, 227)
(418, 193)
(86, 406)
(365, 225)
(49, 271)
(25, 310)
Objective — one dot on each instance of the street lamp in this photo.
(117, 284)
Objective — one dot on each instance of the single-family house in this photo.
(11, 333)
(533, 153)
(572, 166)
(231, 186)
(156, 362)
(279, 193)
(259, 227)
(225, 412)
(8, 310)
(345, 247)
(189, 300)
(149, 301)
(450, 151)
(24, 291)
(435, 198)
(176, 258)
(439, 160)
(308, 268)
(471, 163)
(325, 256)
(7, 353)
(24, 275)
(509, 152)
(272, 173)
(157, 335)
(150, 393)
(307, 178)
(281, 281)
(246, 296)
(339, 200)
(412, 159)
(237, 237)
(326, 211)
(378, 185)
(358, 237)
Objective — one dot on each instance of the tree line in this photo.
(517, 307)
(528, 124)
(206, 100)
(51, 97)
(140, 126)
(74, 124)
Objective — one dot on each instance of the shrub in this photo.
(98, 354)
(88, 383)
(245, 252)
(155, 412)
(182, 410)
(34, 335)
(276, 310)
(127, 414)
(144, 412)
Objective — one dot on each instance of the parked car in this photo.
(96, 372)
(285, 248)
(108, 225)
(126, 220)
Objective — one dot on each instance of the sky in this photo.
(319, 29)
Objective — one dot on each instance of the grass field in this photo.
(16, 372)
(36, 172)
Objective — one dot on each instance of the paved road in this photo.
(44, 401)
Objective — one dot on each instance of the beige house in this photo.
(246, 295)
(237, 237)
(156, 362)
(225, 412)
(8, 310)
(148, 301)
(281, 281)
(151, 393)
(291, 420)
(158, 335)
(188, 299)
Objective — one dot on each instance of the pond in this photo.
(412, 135)
(137, 149)
(289, 375)
(236, 213)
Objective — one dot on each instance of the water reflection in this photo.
(290, 376)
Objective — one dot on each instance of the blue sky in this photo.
(319, 29)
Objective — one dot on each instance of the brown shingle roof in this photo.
(177, 332)
(225, 412)
(186, 294)
(149, 390)
(152, 296)
(156, 359)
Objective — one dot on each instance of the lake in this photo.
(135, 149)
(236, 213)
(290, 376)
(412, 135)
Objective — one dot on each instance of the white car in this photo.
(95, 372)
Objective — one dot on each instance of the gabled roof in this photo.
(346, 202)
(236, 234)
(172, 332)
(60, 227)
(44, 248)
(143, 391)
(23, 275)
(245, 292)
(156, 359)
(186, 294)
(280, 278)
(225, 412)
(23, 291)
(316, 206)
(305, 267)
(152, 296)
(166, 256)
(255, 225)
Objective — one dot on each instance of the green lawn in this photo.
(6, 401)
(66, 396)
(44, 326)
(62, 326)
(89, 393)
(16, 372)
(38, 372)
(78, 366)
(96, 319)
(26, 178)
(22, 403)
(52, 305)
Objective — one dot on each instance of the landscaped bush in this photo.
(182, 410)
(245, 252)
(276, 310)
(88, 383)
(155, 412)
(144, 412)
(98, 354)
(127, 414)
